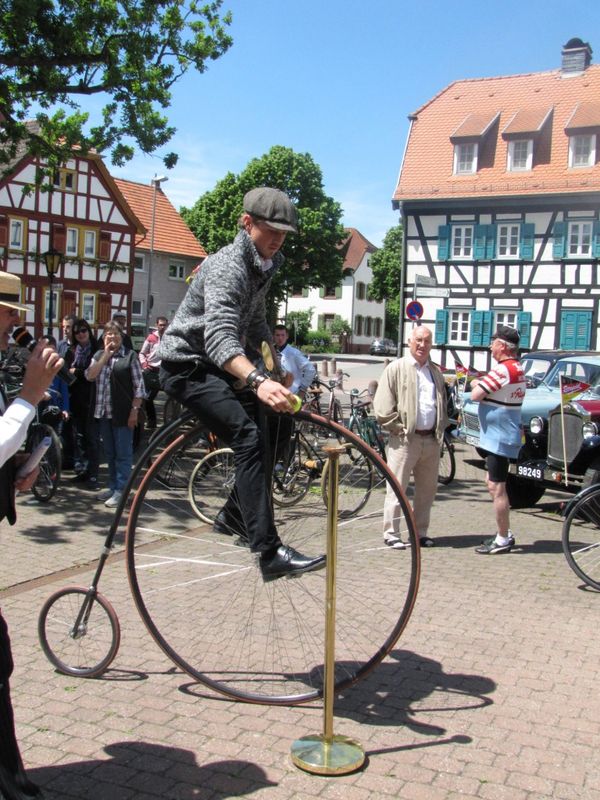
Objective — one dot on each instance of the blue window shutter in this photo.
(524, 328)
(476, 327)
(479, 242)
(575, 330)
(490, 242)
(559, 235)
(487, 327)
(443, 242)
(441, 326)
(596, 241)
(527, 240)
(338, 292)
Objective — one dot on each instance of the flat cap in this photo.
(273, 207)
(507, 334)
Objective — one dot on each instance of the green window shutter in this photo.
(479, 239)
(524, 328)
(559, 236)
(443, 242)
(527, 240)
(575, 330)
(441, 326)
(305, 291)
(476, 328)
(321, 321)
(596, 240)
(338, 292)
(487, 327)
(321, 291)
(490, 242)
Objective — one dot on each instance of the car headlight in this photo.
(589, 429)
(536, 425)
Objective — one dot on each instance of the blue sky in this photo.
(338, 78)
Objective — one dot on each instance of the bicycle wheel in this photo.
(79, 632)
(447, 468)
(211, 482)
(205, 603)
(295, 479)
(172, 410)
(581, 536)
(50, 465)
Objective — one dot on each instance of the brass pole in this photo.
(328, 754)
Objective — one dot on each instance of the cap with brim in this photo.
(507, 334)
(272, 207)
(10, 291)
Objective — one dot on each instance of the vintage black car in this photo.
(569, 450)
(383, 347)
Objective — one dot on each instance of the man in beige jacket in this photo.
(410, 403)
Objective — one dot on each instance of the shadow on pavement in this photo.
(144, 771)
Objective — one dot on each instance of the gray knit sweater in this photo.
(224, 307)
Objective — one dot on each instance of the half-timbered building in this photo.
(350, 300)
(80, 213)
(499, 192)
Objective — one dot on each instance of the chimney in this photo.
(576, 58)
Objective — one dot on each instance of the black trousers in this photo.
(14, 784)
(152, 386)
(210, 396)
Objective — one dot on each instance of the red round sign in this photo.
(414, 310)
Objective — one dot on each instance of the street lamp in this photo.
(155, 182)
(53, 260)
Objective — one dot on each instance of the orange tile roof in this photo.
(355, 245)
(171, 234)
(528, 120)
(428, 163)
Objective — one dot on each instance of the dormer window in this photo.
(582, 150)
(520, 155)
(465, 158)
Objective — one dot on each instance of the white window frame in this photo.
(56, 317)
(465, 158)
(90, 243)
(459, 326)
(580, 146)
(86, 306)
(16, 242)
(461, 245)
(73, 252)
(140, 314)
(507, 317)
(139, 263)
(579, 238)
(179, 267)
(516, 162)
(508, 239)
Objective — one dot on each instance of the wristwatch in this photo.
(254, 379)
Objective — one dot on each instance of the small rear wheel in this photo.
(447, 468)
(79, 632)
(50, 466)
(581, 536)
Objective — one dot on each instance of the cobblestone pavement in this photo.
(491, 693)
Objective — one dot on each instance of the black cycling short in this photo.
(497, 467)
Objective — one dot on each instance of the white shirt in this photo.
(426, 398)
(13, 427)
(303, 370)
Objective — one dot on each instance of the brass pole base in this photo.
(337, 755)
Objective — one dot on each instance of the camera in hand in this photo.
(25, 340)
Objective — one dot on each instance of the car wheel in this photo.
(523, 494)
(591, 477)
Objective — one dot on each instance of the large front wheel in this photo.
(204, 601)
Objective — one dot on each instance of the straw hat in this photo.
(10, 291)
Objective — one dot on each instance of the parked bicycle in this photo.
(363, 424)
(581, 535)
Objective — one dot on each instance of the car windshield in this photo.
(535, 368)
(573, 370)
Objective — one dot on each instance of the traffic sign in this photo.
(414, 310)
(425, 280)
(433, 291)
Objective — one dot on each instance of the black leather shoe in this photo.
(227, 525)
(287, 562)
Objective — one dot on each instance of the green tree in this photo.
(56, 53)
(386, 264)
(298, 325)
(313, 257)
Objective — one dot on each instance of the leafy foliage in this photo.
(313, 257)
(298, 325)
(386, 264)
(60, 52)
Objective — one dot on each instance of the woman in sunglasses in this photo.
(86, 449)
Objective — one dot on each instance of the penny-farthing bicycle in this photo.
(202, 597)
